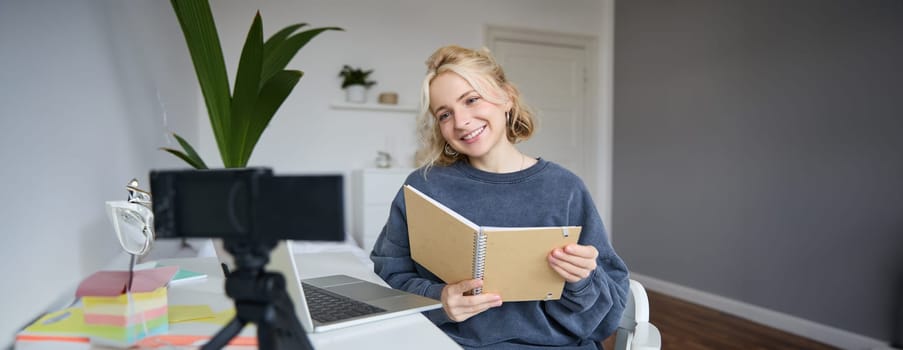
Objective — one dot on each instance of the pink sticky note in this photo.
(113, 283)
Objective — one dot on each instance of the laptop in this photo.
(311, 208)
(362, 301)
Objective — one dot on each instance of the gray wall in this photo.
(758, 153)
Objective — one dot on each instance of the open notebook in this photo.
(361, 301)
(512, 261)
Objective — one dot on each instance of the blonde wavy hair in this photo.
(487, 78)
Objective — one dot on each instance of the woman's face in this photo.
(469, 123)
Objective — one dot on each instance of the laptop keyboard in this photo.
(326, 306)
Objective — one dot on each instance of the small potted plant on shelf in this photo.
(355, 83)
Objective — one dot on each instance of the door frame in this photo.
(597, 96)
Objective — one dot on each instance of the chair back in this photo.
(635, 332)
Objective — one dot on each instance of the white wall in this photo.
(79, 117)
(393, 37)
(90, 88)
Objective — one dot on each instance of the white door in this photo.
(552, 80)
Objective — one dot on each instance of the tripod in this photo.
(260, 298)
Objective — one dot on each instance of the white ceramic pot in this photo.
(356, 94)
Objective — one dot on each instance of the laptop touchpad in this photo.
(363, 291)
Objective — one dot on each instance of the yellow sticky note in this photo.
(69, 321)
(182, 313)
(221, 318)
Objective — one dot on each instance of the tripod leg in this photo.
(224, 335)
(293, 335)
(265, 338)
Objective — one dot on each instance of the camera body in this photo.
(248, 204)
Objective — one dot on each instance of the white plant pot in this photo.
(356, 94)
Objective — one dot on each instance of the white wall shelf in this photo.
(374, 107)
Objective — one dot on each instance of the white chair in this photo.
(635, 332)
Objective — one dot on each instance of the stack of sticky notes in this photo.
(112, 316)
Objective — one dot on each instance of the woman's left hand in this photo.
(574, 262)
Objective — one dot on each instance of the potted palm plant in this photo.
(261, 83)
(355, 83)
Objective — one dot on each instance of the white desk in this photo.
(406, 332)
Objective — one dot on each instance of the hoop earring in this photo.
(507, 117)
(450, 151)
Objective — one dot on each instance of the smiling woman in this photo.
(466, 92)
(472, 120)
(472, 126)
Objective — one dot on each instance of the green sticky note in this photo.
(186, 275)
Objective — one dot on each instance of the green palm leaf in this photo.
(189, 156)
(261, 84)
(272, 95)
(203, 43)
(279, 38)
(283, 53)
(184, 157)
(196, 159)
(247, 83)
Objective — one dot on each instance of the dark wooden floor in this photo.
(687, 326)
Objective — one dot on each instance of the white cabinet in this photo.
(374, 190)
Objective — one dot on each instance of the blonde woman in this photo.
(472, 119)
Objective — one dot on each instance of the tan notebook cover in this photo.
(514, 258)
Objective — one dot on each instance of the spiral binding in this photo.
(479, 258)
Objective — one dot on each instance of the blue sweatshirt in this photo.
(542, 195)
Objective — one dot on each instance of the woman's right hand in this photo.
(460, 307)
